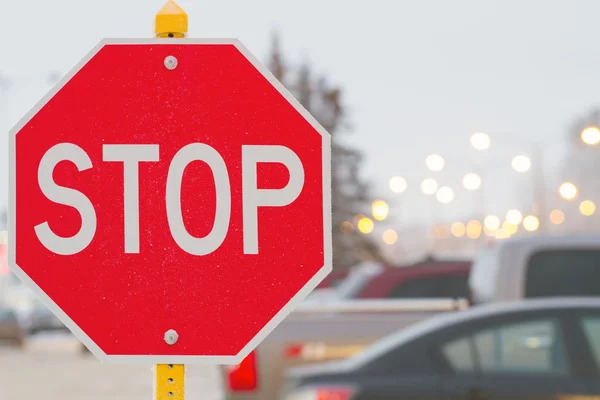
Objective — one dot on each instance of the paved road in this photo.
(51, 368)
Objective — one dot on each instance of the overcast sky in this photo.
(418, 76)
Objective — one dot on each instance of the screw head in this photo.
(171, 337)
(170, 62)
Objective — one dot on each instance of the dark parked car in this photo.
(535, 349)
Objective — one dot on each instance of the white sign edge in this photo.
(169, 359)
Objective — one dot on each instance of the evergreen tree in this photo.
(349, 194)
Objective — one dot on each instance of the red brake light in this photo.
(337, 393)
(243, 377)
(294, 351)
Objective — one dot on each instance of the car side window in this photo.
(459, 355)
(533, 346)
(591, 328)
(524, 347)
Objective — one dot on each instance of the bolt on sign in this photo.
(170, 201)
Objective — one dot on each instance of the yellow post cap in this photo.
(171, 21)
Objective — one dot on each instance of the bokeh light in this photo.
(502, 234)
(380, 210)
(346, 227)
(429, 186)
(480, 141)
(473, 229)
(491, 222)
(510, 227)
(471, 181)
(390, 236)
(441, 231)
(458, 229)
(444, 195)
(489, 232)
(531, 223)
(568, 191)
(521, 163)
(590, 135)
(514, 217)
(435, 162)
(365, 225)
(557, 217)
(587, 208)
(398, 184)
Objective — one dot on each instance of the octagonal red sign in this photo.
(170, 186)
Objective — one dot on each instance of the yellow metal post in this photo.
(169, 381)
(171, 21)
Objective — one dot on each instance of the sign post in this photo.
(169, 379)
(170, 201)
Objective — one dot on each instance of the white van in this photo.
(537, 267)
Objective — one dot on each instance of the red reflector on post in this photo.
(243, 377)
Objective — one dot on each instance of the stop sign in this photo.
(170, 201)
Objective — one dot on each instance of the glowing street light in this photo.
(587, 208)
(471, 181)
(510, 228)
(557, 217)
(444, 195)
(491, 222)
(568, 191)
(429, 186)
(591, 135)
(365, 225)
(458, 229)
(521, 163)
(480, 141)
(441, 231)
(398, 184)
(514, 217)
(473, 229)
(531, 223)
(435, 162)
(502, 234)
(390, 236)
(380, 210)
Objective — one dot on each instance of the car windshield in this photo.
(356, 280)
(349, 288)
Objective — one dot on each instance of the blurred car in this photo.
(41, 319)
(333, 279)
(10, 329)
(545, 266)
(431, 280)
(533, 349)
(373, 301)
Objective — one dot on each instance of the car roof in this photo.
(428, 268)
(559, 241)
(448, 319)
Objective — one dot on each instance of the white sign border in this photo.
(168, 359)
